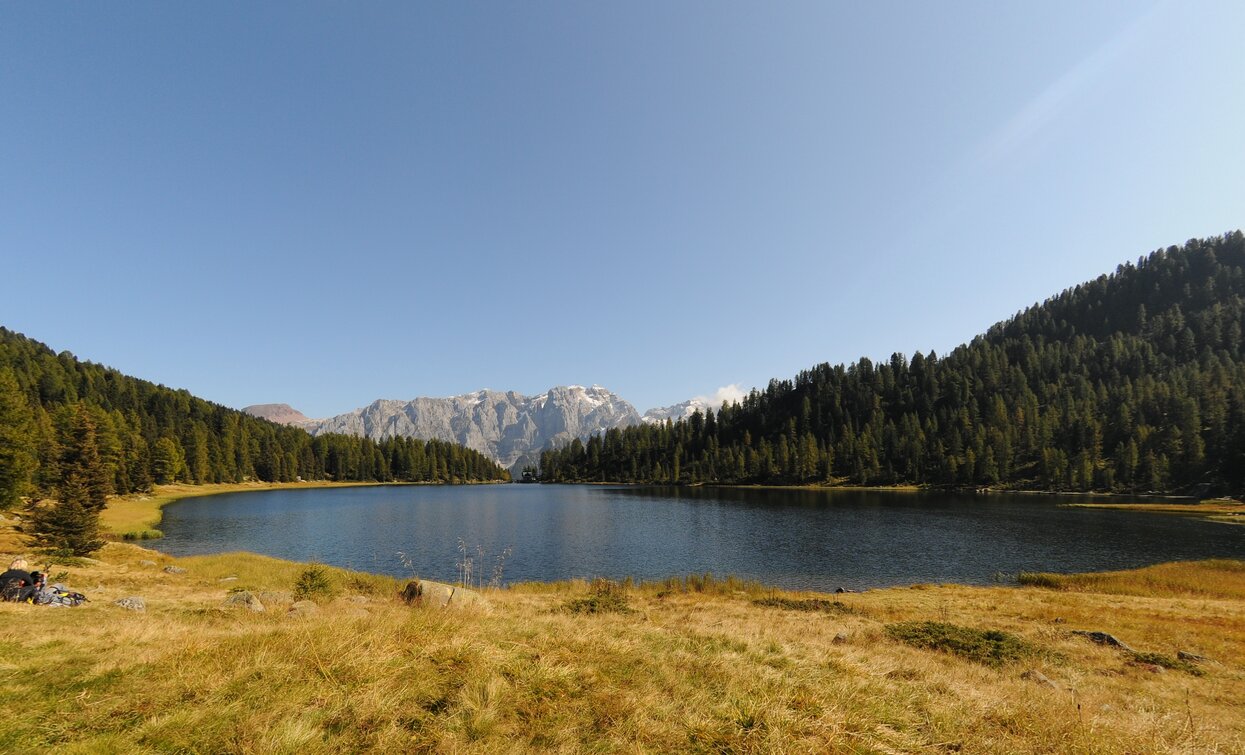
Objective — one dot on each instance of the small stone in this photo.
(303, 608)
(244, 599)
(131, 604)
(146, 562)
(840, 638)
(1060, 620)
(1039, 677)
(1185, 655)
(174, 570)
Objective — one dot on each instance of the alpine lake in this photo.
(795, 539)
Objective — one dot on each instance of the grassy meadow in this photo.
(695, 664)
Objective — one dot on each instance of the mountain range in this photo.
(509, 427)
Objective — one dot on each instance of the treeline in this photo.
(1132, 382)
(147, 433)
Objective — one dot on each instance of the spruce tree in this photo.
(67, 525)
(70, 524)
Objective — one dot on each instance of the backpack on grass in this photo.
(58, 597)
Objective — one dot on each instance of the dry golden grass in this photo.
(1217, 578)
(695, 665)
(1227, 511)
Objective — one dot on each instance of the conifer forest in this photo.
(147, 433)
(1134, 381)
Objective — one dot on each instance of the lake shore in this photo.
(1228, 512)
(137, 516)
(684, 664)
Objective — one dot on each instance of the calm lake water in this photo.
(796, 539)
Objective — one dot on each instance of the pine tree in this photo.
(70, 524)
(81, 464)
(67, 525)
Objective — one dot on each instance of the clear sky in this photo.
(328, 203)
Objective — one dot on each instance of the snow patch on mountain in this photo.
(726, 394)
(508, 427)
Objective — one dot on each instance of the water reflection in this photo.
(791, 538)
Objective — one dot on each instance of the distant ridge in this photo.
(282, 414)
(508, 427)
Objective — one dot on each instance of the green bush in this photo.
(313, 584)
(990, 647)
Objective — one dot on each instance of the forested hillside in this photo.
(149, 433)
(1134, 381)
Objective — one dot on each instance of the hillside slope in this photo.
(149, 433)
(1134, 381)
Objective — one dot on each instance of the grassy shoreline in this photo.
(1227, 512)
(689, 665)
(137, 516)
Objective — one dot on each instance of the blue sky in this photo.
(324, 204)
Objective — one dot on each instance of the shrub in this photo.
(313, 584)
(1040, 579)
(1166, 661)
(813, 604)
(607, 596)
(990, 647)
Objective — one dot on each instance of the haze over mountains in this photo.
(509, 427)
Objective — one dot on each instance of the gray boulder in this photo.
(174, 570)
(134, 603)
(244, 599)
(441, 595)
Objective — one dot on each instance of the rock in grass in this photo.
(146, 562)
(1102, 638)
(134, 603)
(1185, 655)
(174, 570)
(1039, 677)
(244, 599)
(303, 608)
(440, 595)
